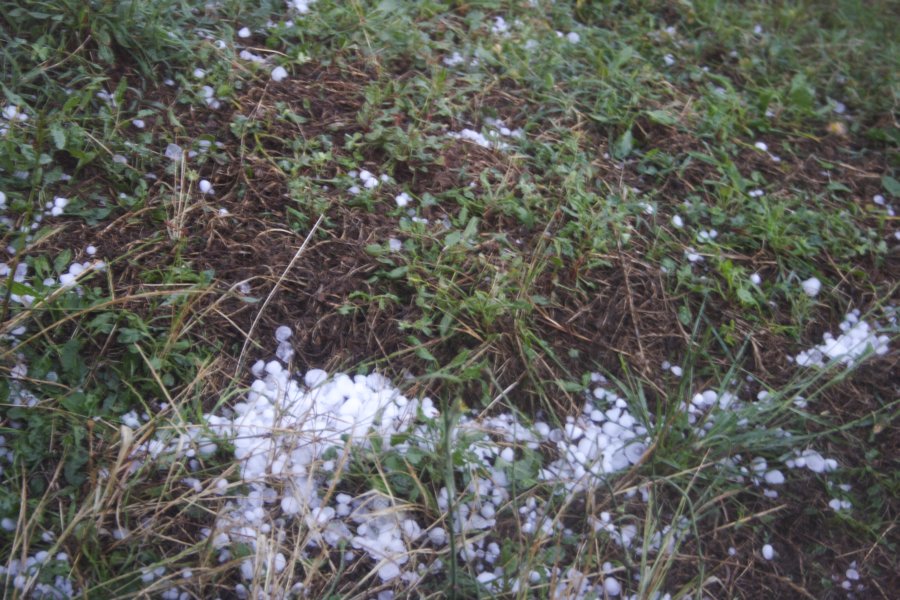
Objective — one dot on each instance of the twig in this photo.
(262, 309)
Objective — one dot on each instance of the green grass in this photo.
(538, 264)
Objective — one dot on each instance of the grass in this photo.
(522, 269)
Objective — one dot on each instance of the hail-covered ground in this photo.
(297, 439)
(300, 457)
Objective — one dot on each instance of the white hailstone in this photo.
(290, 505)
(354, 190)
(283, 333)
(11, 113)
(774, 477)
(453, 60)
(677, 221)
(677, 371)
(395, 245)
(811, 286)
(59, 205)
(223, 212)
(279, 74)
(852, 574)
(437, 536)
(244, 32)
(755, 193)
(692, 256)
(205, 186)
(139, 123)
(755, 279)
(768, 552)
(732, 551)
(573, 37)
(612, 586)
(878, 199)
(8, 524)
(174, 152)
(500, 26)
(315, 378)
(761, 146)
(486, 577)
(839, 107)
(669, 60)
(835, 504)
(199, 73)
(2, 200)
(402, 199)
(757, 29)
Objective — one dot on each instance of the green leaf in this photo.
(662, 117)
(802, 93)
(444, 325)
(891, 186)
(397, 273)
(684, 315)
(624, 145)
(62, 261)
(59, 136)
(69, 356)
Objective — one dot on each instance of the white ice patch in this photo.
(493, 137)
(857, 340)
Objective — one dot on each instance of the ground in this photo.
(470, 299)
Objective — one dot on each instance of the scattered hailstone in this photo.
(677, 221)
(244, 32)
(453, 60)
(774, 477)
(91, 250)
(249, 56)
(669, 60)
(174, 152)
(139, 123)
(811, 286)
(768, 552)
(612, 586)
(755, 279)
(301, 6)
(59, 205)
(283, 333)
(402, 199)
(199, 73)
(761, 146)
(14, 113)
(205, 187)
(857, 338)
(495, 131)
(878, 199)
(279, 74)
(573, 37)
(692, 256)
(395, 245)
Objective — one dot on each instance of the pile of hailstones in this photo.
(293, 437)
